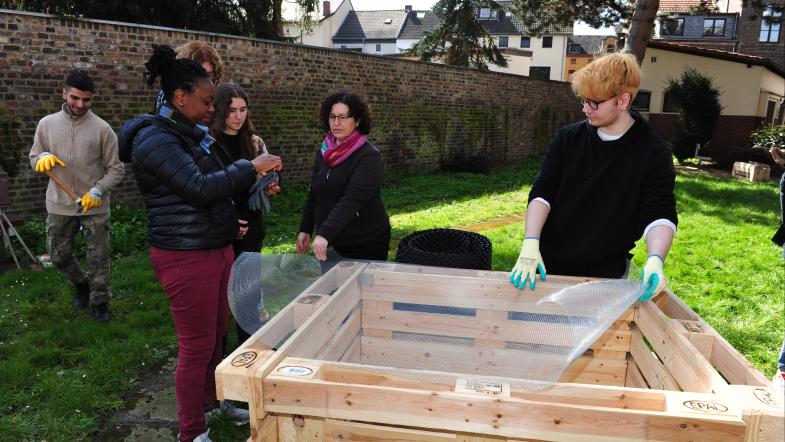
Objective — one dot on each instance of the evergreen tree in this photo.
(460, 39)
(699, 106)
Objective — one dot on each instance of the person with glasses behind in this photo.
(604, 182)
(344, 204)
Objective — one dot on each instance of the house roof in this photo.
(718, 54)
(371, 25)
(416, 28)
(679, 5)
(512, 25)
(589, 44)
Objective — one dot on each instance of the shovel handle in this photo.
(61, 184)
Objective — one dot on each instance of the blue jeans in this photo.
(781, 364)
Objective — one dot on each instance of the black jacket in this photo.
(186, 192)
(344, 203)
(602, 195)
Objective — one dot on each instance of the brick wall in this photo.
(732, 132)
(749, 35)
(421, 112)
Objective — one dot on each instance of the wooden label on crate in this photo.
(489, 388)
(295, 370)
(310, 299)
(692, 326)
(710, 407)
(244, 359)
(764, 395)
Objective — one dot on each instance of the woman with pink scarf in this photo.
(344, 205)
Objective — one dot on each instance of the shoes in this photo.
(101, 312)
(82, 296)
(230, 411)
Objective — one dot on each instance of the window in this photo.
(485, 13)
(573, 48)
(780, 115)
(770, 25)
(641, 102)
(573, 61)
(421, 14)
(540, 72)
(713, 27)
(504, 42)
(378, 47)
(671, 103)
(526, 42)
(611, 49)
(769, 118)
(672, 26)
(547, 42)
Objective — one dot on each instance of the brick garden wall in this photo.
(732, 132)
(422, 113)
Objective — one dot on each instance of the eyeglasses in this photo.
(341, 118)
(593, 104)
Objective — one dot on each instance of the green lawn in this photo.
(63, 375)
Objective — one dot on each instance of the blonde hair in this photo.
(201, 52)
(608, 76)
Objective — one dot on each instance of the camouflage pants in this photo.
(61, 233)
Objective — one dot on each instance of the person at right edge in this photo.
(603, 183)
(191, 223)
(778, 154)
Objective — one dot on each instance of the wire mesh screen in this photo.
(259, 284)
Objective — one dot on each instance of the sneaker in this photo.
(204, 437)
(101, 312)
(228, 410)
(82, 296)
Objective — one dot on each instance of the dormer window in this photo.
(387, 21)
(485, 13)
(421, 14)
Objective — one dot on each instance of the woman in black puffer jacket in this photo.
(191, 222)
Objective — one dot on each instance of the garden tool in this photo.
(71, 193)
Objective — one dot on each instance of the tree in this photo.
(253, 18)
(460, 39)
(698, 101)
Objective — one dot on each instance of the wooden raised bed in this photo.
(332, 366)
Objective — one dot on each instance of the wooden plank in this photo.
(343, 337)
(762, 411)
(696, 334)
(264, 430)
(300, 429)
(304, 306)
(732, 364)
(676, 352)
(656, 375)
(354, 351)
(344, 431)
(488, 325)
(486, 361)
(609, 354)
(481, 414)
(634, 378)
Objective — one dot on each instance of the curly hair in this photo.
(358, 109)
(222, 103)
(175, 73)
(608, 76)
(201, 52)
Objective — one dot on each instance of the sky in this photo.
(367, 5)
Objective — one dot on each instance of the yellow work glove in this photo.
(47, 162)
(91, 200)
(653, 279)
(528, 264)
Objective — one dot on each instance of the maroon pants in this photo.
(195, 283)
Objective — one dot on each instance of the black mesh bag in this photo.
(445, 248)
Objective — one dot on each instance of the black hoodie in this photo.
(186, 192)
(602, 194)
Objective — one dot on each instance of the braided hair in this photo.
(176, 73)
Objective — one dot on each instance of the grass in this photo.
(63, 375)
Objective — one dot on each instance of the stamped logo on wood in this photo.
(244, 359)
(295, 370)
(766, 397)
(705, 406)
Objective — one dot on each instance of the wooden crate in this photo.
(331, 366)
(751, 171)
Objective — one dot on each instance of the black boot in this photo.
(101, 312)
(82, 296)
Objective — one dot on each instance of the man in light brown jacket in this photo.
(80, 150)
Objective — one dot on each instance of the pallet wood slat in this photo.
(652, 370)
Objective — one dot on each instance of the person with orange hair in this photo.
(205, 56)
(604, 182)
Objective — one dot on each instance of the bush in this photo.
(127, 235)
(767, 137)
(699, 111)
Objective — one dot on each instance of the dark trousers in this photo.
(195, 284)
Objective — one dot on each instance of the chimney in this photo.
(325, 8)
(407, 8)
